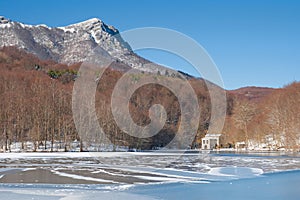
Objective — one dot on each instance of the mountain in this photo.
(72, 44)
(252, 93)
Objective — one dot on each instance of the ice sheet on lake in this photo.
(274, 186)
(153, 170)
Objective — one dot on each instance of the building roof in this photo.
(211, 135)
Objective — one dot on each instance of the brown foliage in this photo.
(35, 107)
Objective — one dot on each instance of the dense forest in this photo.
(36, 108)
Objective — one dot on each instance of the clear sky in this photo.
(253, 43)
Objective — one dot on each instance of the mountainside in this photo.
(27, 81)
(72, 44)
(252, 93)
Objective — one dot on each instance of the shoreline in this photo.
(158, 151)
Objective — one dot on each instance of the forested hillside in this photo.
(36, 100)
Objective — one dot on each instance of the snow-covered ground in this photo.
(147, 175)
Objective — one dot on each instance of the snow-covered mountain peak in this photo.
(91, 25)
(92, 20)
(73, 43)
(85, 24)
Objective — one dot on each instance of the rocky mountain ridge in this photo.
(73, 43)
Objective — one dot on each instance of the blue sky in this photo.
(253, 43)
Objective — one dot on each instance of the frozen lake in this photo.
(149, 175)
